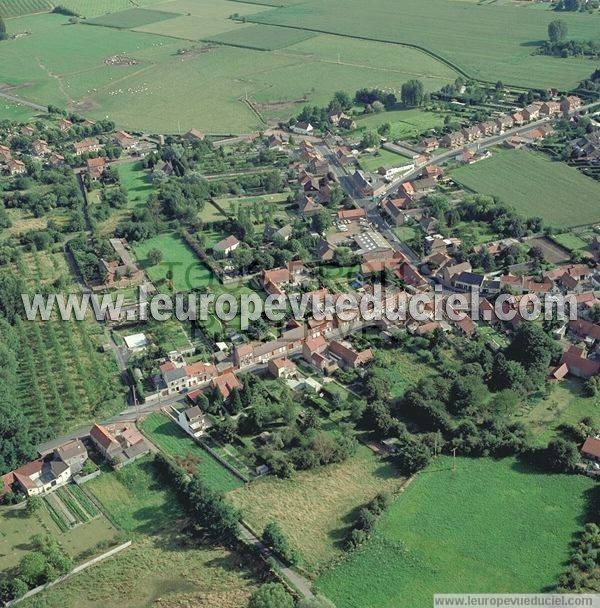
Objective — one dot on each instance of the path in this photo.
(24, 102)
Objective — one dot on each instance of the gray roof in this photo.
(174, 374)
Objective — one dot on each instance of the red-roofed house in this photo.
(591, 449)
(226, 383)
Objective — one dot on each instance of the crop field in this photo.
(16, 8)
(535, 186)
(263, 37)
(488, 42)
(65, 380)
(488, 527)
(174, 442)
(322, 501)
(133, 17)
(17, 528)
(93, 8)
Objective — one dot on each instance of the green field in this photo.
(535, 186)
(93, 8)
(487, 41)
(569, 241)
(136, 182)
(405, 233)
(382, 158)
(16, 8)
(489, 527)
(262, 37)
(133, 17)
(404, 123)
(174, 442)
(322, 500)
(134, 498)
(403, 369)
(188, 271)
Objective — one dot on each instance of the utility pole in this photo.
(454, 460)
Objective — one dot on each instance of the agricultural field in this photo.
(490, 526)
(382, 158)
(488, 42)
(17, 112)
(569, 241)
(16, 8)
(17, 528)
(567, 403)
(262, 37)
(65, 380)
(535, 186)
(174, 442)
(323, 501)
(131, 18)
(93, 8)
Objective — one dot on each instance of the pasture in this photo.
(315, 508)
(93, 8)
(535, 186)
(262, 37)
(488, 527)
(131, 18)
(175, 443)
(487, 41)
(404, 123)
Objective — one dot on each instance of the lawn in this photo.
(535, 186)
(136, 182)
(174, 442)
(315, 508)
(489, 42)
(405, 233)
(404, 123)
(17, 528)
(382, 158)
(135, 499)
(188, 271)
(488, 527)
(566, 404)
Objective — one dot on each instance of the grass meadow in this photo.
(535, 186)
(131, 18)
(174, 442)
(569, 241)
(316, 508)
(488, 527)
(382, 158)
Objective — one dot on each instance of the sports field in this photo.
(487, 41)
(535, 186)
(315, 508)
(489, 527)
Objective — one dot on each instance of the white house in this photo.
(193, 421)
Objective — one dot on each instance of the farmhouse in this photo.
(227, 245)
(194, 135)
(429, 144)
(570, 103)
(126, 141)
(16, 167)
(86, 146)
(95, 167)
(579, 365)
(38, 477)
(40, 147)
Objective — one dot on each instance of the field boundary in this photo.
(75, 570)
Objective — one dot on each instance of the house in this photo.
(64, 124)
(281, 368)
(40, 147)
(308, 206)
(38, 477)
(504, 122)
(591, 449)
(449, 272)
(73, 453)
(194, 135)
(531, 112)
(126, 141)
(366, 187)
(284, 233)
(120, 442)
(550, 108)
(227, 245)
(16, 167)
(95, 167)
(467, 281)
(106, 444)
(453, 140)
(302, 128)
(559, 372)
(351, 214)
(55, 160)
(347, 123)
(569, 104)
(429, 144)
(579, 365)
(394, 208)
(193, 421)
(86, 146)
(27, 130)
(589, 332)
(487, 128)
(5, 154)
(471, 133)
(324, 251)
(518, 118)
(350, 357)
(225, 384)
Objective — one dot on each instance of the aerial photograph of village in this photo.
(299, 303)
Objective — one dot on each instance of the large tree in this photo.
(557, 30)
(412, 93)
